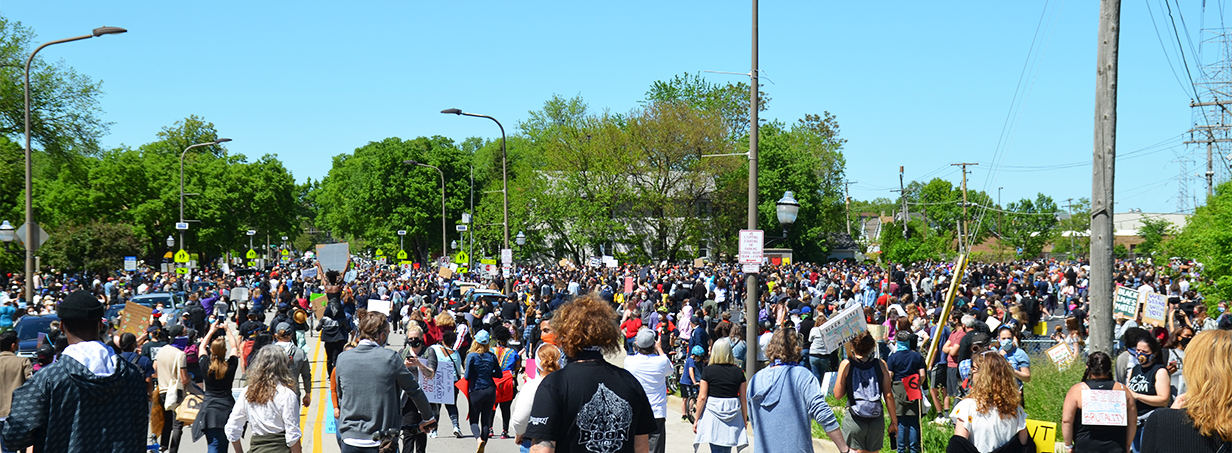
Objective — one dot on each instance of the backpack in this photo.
(864, 388)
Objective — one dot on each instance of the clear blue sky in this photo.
(918, 84)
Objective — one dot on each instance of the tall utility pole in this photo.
(1069, 208)
(962, 235)
(1210, 141)
(902, 195)
(750, 279)
(1103, 175)
(847, 199)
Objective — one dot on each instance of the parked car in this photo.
(29, 328)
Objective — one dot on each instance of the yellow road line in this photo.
(322, 395)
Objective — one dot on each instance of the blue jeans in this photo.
(216, 441)
(908, 434)
(719, 449)
(1137, 445)
(819, 365)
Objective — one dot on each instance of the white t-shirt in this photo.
(988, 430)
(652, 372)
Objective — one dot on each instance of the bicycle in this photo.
(691, 405)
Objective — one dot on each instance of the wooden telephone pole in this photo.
(1103, 175)
(962, 235)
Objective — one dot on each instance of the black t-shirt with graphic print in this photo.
(590, 406)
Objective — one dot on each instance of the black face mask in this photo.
(1185, 341)
(415, 342)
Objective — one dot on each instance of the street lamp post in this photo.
(438, 170)
(182, 223)
(170, 246)
(7, 234)
(520, 239)
(504, 179)
(251, 233)
(401, 234)
(31, 226)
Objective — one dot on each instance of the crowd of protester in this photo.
(540, 357)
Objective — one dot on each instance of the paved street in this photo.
(319, 434)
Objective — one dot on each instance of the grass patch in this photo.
(1045, 396)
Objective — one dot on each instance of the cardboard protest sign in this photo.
(1103, 407)
(333, 257)
(1154, 309)
(1061, 355)
(135, 318)
(319, 301)
(445, 272)
(844, 326)
(1125, 302)
(1044, 434)
(438, 389)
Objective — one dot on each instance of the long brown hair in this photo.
(269, 369)
(218, 365)
(992, 385)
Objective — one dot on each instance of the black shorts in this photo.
(953, 382)
(937, 376)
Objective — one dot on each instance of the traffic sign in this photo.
(252, 232)
(130, 263)
(286, 252)
(462, 269)
(181, 256)
(402, 254)
(750, 268)
(462, 258)
(40, 236)
(252, 264)
(751, 251)
(401, 232)
(460, 228)
(507, 257)
(404, 262)
(380, 252)
(181, 270)
(181, 226)
(252, 254)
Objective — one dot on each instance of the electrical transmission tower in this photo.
(1182, 184)
(1211, 116)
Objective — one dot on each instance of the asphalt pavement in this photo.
(318, 428)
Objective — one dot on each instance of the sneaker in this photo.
(505, 435)
(684, 418)
(432, 434)
(457, 432)
(482, 445)
(941, 420)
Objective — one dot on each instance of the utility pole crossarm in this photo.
(965, 227)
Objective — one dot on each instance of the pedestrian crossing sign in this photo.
(402, 254)
(252, 254)
(181, 256)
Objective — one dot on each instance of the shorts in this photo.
(936, 376)
(687, 390)
(861, 433)
(953, 382)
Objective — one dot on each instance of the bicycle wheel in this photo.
(673, 384)
(692, 408)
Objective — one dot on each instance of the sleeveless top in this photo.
(1098, 439)
(1142, 381)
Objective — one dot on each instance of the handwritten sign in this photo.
(1103, 407)
(628, 285)
(1044, 434)
(1061, 355)
(439, 389)
(911, 384)
(1154, 309)
(1125, 302)
(843, 327)
(135, 318)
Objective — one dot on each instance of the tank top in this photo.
(1143, 381)
(1098, 439)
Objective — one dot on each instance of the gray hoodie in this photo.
(782, 399)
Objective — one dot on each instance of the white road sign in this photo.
(751, 251)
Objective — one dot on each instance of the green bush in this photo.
(1045, 396)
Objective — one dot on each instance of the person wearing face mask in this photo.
(424, 367)
(1177, 342)
(367, 381)
(1148, 382)
(1020, 362)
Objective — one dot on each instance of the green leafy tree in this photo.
(1153, 233)
(730, 101)
(1029, 224)
(922, 244)
(1079, 224)
(93, 246)
(1207, 239)
(64, 104)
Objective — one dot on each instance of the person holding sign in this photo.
(1201, 420)
(1095, 417)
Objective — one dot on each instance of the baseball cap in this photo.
(645, 338)
(283, 327)
(482, 337)
(175, 331)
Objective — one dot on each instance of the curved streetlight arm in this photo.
(29, 276)
(504, 165)
(444, 249)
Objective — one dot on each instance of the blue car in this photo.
(29, 328)
(173, 306)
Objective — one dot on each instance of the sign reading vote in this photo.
(1125, 302)
(1103, 407)
(181, 256)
